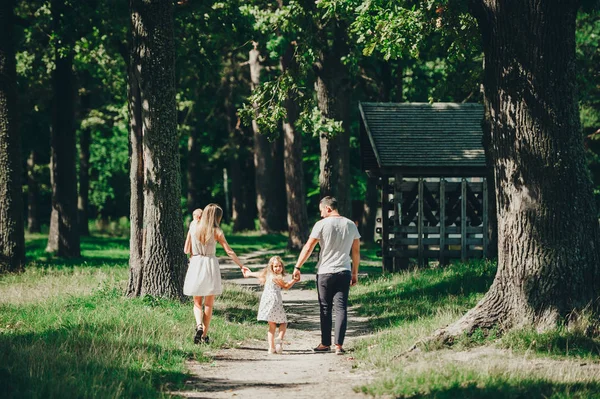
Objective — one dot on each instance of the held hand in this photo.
(354, 280)
(296, 274)
(245, 271)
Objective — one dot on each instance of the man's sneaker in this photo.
(339, 350)
(322, 348)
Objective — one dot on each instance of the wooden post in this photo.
(485, 218)
(400, 262)
(463, 221)
(420, 223)
(442, 221)
(385, 225)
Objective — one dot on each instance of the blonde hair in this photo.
(264, 273)
(209, 223)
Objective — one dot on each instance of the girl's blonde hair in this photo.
(264, 273)
(209, 223)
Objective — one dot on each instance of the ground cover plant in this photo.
(407, 307)
(66, 330)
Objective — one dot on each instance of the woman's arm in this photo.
(220, 237)
(187, 247)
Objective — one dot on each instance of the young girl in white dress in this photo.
(203, 277)
(271, 304)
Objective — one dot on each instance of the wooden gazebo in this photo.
(431, 166)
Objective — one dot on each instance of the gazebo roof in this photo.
(422, 139)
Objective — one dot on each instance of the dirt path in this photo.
(250, 372)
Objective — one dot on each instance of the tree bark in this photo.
(84, 181)
(268, 166)
(548, 261)
(12, 238)
(33, 194)
(63, 236)
(242, 194)
(297, 218)
(157, 260)
(333, 98)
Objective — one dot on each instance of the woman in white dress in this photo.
(203, 277)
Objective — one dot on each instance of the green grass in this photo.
(557, 344)
(66, 330)
(406, 307)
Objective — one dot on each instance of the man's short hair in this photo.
(330, 202)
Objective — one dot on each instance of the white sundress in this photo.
(203, 276)
(271, 303)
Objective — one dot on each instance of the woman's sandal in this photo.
(198, 335)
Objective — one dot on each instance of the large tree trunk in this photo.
(12, 239)
(268, 166)
(63, 236)
(243, 196)
(242, 214)
(33, 194)
(297, 217)
(333, 97)
(84, 181)
(157, 260)
(548, 261)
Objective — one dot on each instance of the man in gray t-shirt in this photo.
(337, 269)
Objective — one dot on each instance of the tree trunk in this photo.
(157, 260)
(369, 211)
(333, 97)
(12, 238)
(242, 214)
(548, 261)
(84, 181)
(297, 217)
(63, 236)
(33, 194)
(267, 167)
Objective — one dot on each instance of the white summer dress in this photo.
(203, 276)
(271, 303)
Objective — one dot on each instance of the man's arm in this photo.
(355, 260)
(304, 254)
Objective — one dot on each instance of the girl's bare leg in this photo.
(198, 310)
(271, 337)
(279, 340)
(282, 330)
(209, 301)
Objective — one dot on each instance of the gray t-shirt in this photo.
(336, 235)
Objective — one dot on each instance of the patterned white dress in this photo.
(271, 303)
(203, 276)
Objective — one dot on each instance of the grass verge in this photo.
(66, 330)
(409, 306)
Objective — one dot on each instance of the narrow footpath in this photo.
(250, 372)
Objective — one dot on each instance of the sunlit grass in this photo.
(66, 330)
(407, 307)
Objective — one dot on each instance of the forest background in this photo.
(425, 52)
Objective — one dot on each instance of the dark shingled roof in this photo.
(422, 138)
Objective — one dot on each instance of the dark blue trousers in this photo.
(333, 291)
